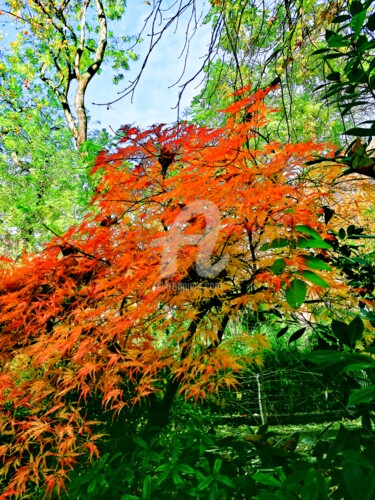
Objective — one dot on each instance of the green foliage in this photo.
(349, 55)
(296, 293)
(44, 186)
(266, 46)
(196, 462)
(187, 462)
(61, 46)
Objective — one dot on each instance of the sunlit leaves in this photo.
(315, 263)
(296, 293)
(118, 309)
(314, 278)
(312, 239)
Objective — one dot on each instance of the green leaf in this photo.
(225, 480)
(178, 481)
(296, 293)
(205, 483)
(356, 329)
(314, 278)
(340, 330)
(297, 476)
(316, 263)
(340, 361)
(357, 75)
(307, 230)
(163, 467)
(335, 40)
(217, 465)
(334, 55)
(355, 7)
(341, 19)
(214, 493)
(140, 442)
(359, 132)
(92, 486)
(371, 22)
(147, 488)
(354, 457)
(354, 230)
(267, 479)
(364, 395)
(357, 21)
(185, 468)
(278, 266)
(297, 334)
(314, 242)
(275, 312)
(348, 334)
(334, 76)
(320, 51)
(282, 332)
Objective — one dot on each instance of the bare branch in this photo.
(159, 25)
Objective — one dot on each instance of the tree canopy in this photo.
(97, 312)
(203, 239)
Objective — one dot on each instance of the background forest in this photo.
(187, 310)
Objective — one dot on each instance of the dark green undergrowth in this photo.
(196, 460)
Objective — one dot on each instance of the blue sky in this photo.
(154, 98)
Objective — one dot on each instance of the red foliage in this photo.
(118, 304)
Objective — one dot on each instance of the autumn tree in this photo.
(190, 227)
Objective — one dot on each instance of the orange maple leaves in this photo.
(94, 314)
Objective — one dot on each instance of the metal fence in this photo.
(283, 396)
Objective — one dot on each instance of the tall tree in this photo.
(57, 48)
(194, 225)
(65, 43)
(45, 184)
(264, 42)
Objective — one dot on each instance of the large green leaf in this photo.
(340, 330)
(316, 263)
(278, 266)
(282, 332)
(364, 395)
(357, 21)
(359, 132)
(348, 334)
(297, 334)
(356, 329)
(147, 488)
(313, 243)
(313, 240)
(307, 230)
(296, 293)
(314, 278)
(340, 361)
